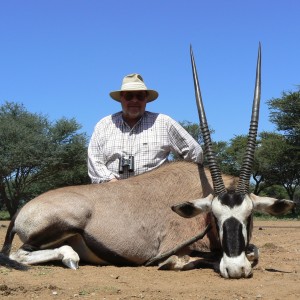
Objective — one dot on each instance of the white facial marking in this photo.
(237, 266)
(240, 212)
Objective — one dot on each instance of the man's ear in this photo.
(272, 206)
(193, 208)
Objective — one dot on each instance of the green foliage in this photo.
(36, 155)
(234, 154)
(279, 161)
(275, 191)
(285, 113)
(4, 215)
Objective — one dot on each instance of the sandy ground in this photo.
(277, 276)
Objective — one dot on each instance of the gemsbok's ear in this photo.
(272, 206)
(193, 208)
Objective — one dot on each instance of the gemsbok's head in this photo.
(232, 210)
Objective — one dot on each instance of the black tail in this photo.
(4, 259)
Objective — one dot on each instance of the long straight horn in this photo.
(219, 187)
(245, 173)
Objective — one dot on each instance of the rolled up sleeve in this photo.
(97, 170)
(184, 144)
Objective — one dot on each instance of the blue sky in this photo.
(61, 58)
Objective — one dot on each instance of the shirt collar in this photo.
(120, 121)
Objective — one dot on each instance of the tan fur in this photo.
(133, 217)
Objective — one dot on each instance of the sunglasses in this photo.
(140, 96)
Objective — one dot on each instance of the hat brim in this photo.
(116, 95)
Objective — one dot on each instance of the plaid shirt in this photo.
(150, 141)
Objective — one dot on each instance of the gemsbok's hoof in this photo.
(70, 257)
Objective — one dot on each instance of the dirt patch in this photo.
(277, 275)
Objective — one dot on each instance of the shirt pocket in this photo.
(153, 149)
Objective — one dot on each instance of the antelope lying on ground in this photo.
(130, 222)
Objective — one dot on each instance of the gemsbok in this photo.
(130, 222)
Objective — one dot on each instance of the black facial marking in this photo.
(217, 224)
(249, 228)
(233, 242)
(231, 199)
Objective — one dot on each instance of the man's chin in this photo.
(133, 115)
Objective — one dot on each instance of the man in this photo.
(134, 140)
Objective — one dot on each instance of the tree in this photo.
(36, 155)
(279, 162)
(285, 114)
(275, 162)
(233, 155)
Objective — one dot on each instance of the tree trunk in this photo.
(5, 199)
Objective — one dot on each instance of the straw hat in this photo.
(134, 82)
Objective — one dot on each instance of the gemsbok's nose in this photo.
(235, 267)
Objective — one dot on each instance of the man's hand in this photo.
(114, 179)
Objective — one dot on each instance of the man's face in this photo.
(133, 104)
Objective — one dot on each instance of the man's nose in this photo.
(134, 99)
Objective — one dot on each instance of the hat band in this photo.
(133, 86)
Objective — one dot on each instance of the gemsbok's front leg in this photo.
(65, 253)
